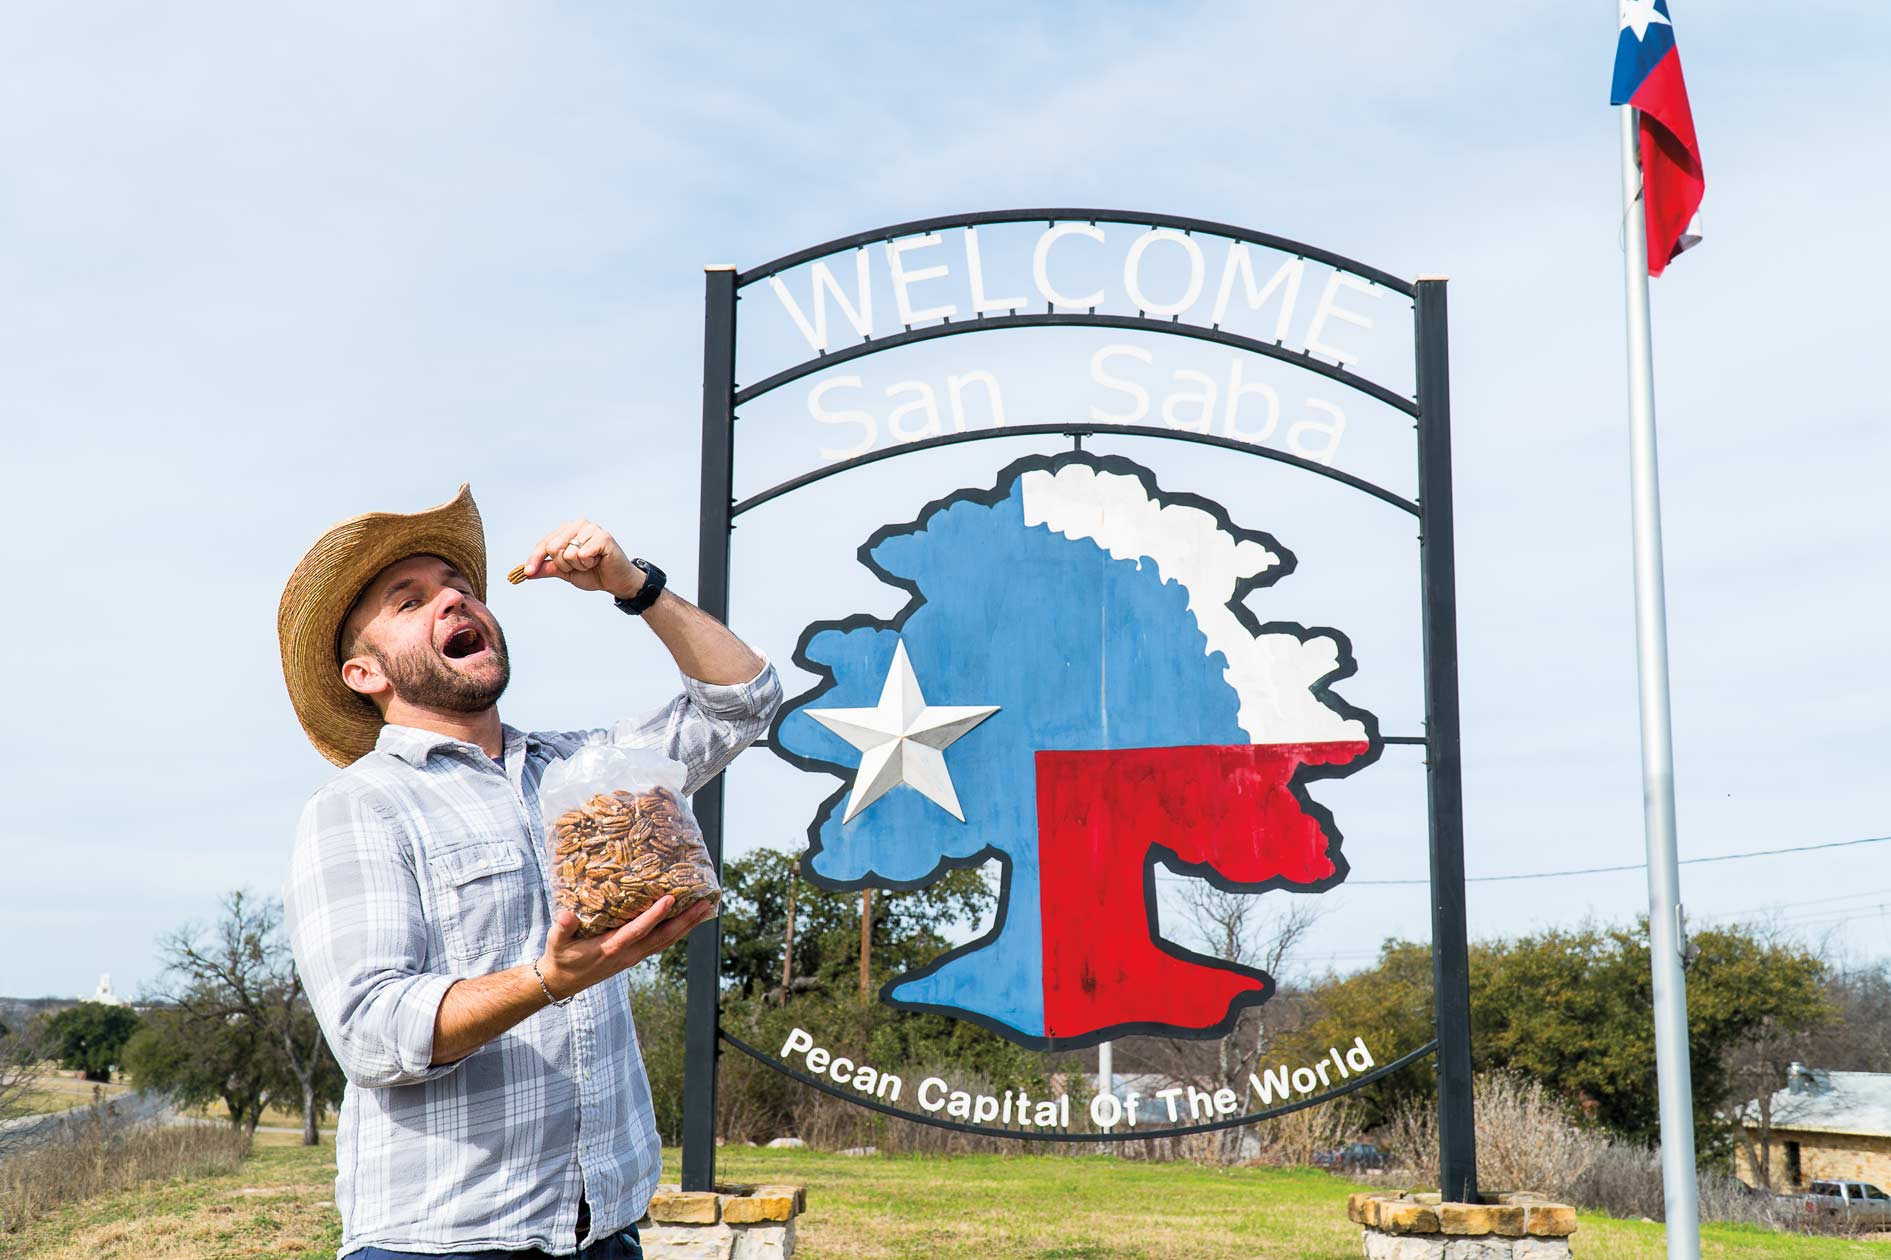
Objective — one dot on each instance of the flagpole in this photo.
(1679, 1188)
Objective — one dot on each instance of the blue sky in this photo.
(268, 267)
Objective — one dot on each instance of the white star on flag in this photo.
(902, 740)
(1640, 15)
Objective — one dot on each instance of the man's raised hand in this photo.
(584, 554)
(571, 964)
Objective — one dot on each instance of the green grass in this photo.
(1037, 1207)
(279, 1205)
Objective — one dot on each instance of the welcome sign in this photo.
(1080, 680)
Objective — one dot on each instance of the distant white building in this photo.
(104, 996)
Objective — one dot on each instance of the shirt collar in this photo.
(414, 745)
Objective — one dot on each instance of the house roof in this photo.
(1817, 1101)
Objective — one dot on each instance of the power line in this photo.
(1632, 866)
(1603, 870)
(1859, 915)
(1773, 907)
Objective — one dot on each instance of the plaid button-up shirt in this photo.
(424, 863)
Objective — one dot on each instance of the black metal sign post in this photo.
(712, 596)
(1431, 412)
(1450, 951)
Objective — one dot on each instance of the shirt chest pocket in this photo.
(484, 899)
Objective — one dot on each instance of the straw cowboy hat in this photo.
(343, 724)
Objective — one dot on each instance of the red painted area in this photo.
(1099, 813)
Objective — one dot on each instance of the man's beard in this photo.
(422, 679)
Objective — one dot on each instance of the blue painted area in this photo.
(1079, 650)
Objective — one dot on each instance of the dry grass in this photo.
(56, 1090)
(273, 1117)
(100, 1158)
(1296, 1137)
(277, 1205)
(1525, 1141)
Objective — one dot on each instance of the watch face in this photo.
(653, 583)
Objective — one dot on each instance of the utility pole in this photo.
(866, 935)
(787, 951)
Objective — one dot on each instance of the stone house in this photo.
(1823, 1126)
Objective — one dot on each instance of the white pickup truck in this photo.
(1856, 1199)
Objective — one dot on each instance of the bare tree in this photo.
(1236, 928)
(241, 971)
(1756, 1071)
(1859, 1039)
(20, 1055)
(1824, 1034)
(1253, 930)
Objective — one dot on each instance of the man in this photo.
(496, 1103)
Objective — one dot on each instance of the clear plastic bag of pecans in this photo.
(622, 836)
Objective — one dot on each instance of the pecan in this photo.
(620, 851)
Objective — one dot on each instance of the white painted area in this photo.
(1273, 674)
(1241, 264)
(1330, 309)
(975, 277)
(904, 279)
(1040, 264)
(918, 414)
(1132, 272)
(859, 311)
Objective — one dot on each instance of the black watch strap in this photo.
(646, 595)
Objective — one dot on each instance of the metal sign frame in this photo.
(1430, 409)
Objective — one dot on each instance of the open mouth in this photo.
(464, 642)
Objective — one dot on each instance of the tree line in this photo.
(1572, 1009)
(1569, 1008)
(228, 1021)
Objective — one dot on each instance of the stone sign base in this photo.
(733, 1223)
(1518, 1226)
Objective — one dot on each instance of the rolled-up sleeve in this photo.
(358, 932)
(707, 725)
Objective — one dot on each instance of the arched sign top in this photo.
(1067, 214)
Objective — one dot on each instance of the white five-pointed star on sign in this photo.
(902, 740)
(1640, 15)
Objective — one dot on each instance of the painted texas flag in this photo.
(1076, 687)
(1648, 76)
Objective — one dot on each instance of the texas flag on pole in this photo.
(1648, 76)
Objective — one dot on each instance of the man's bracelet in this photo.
(547, 988)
